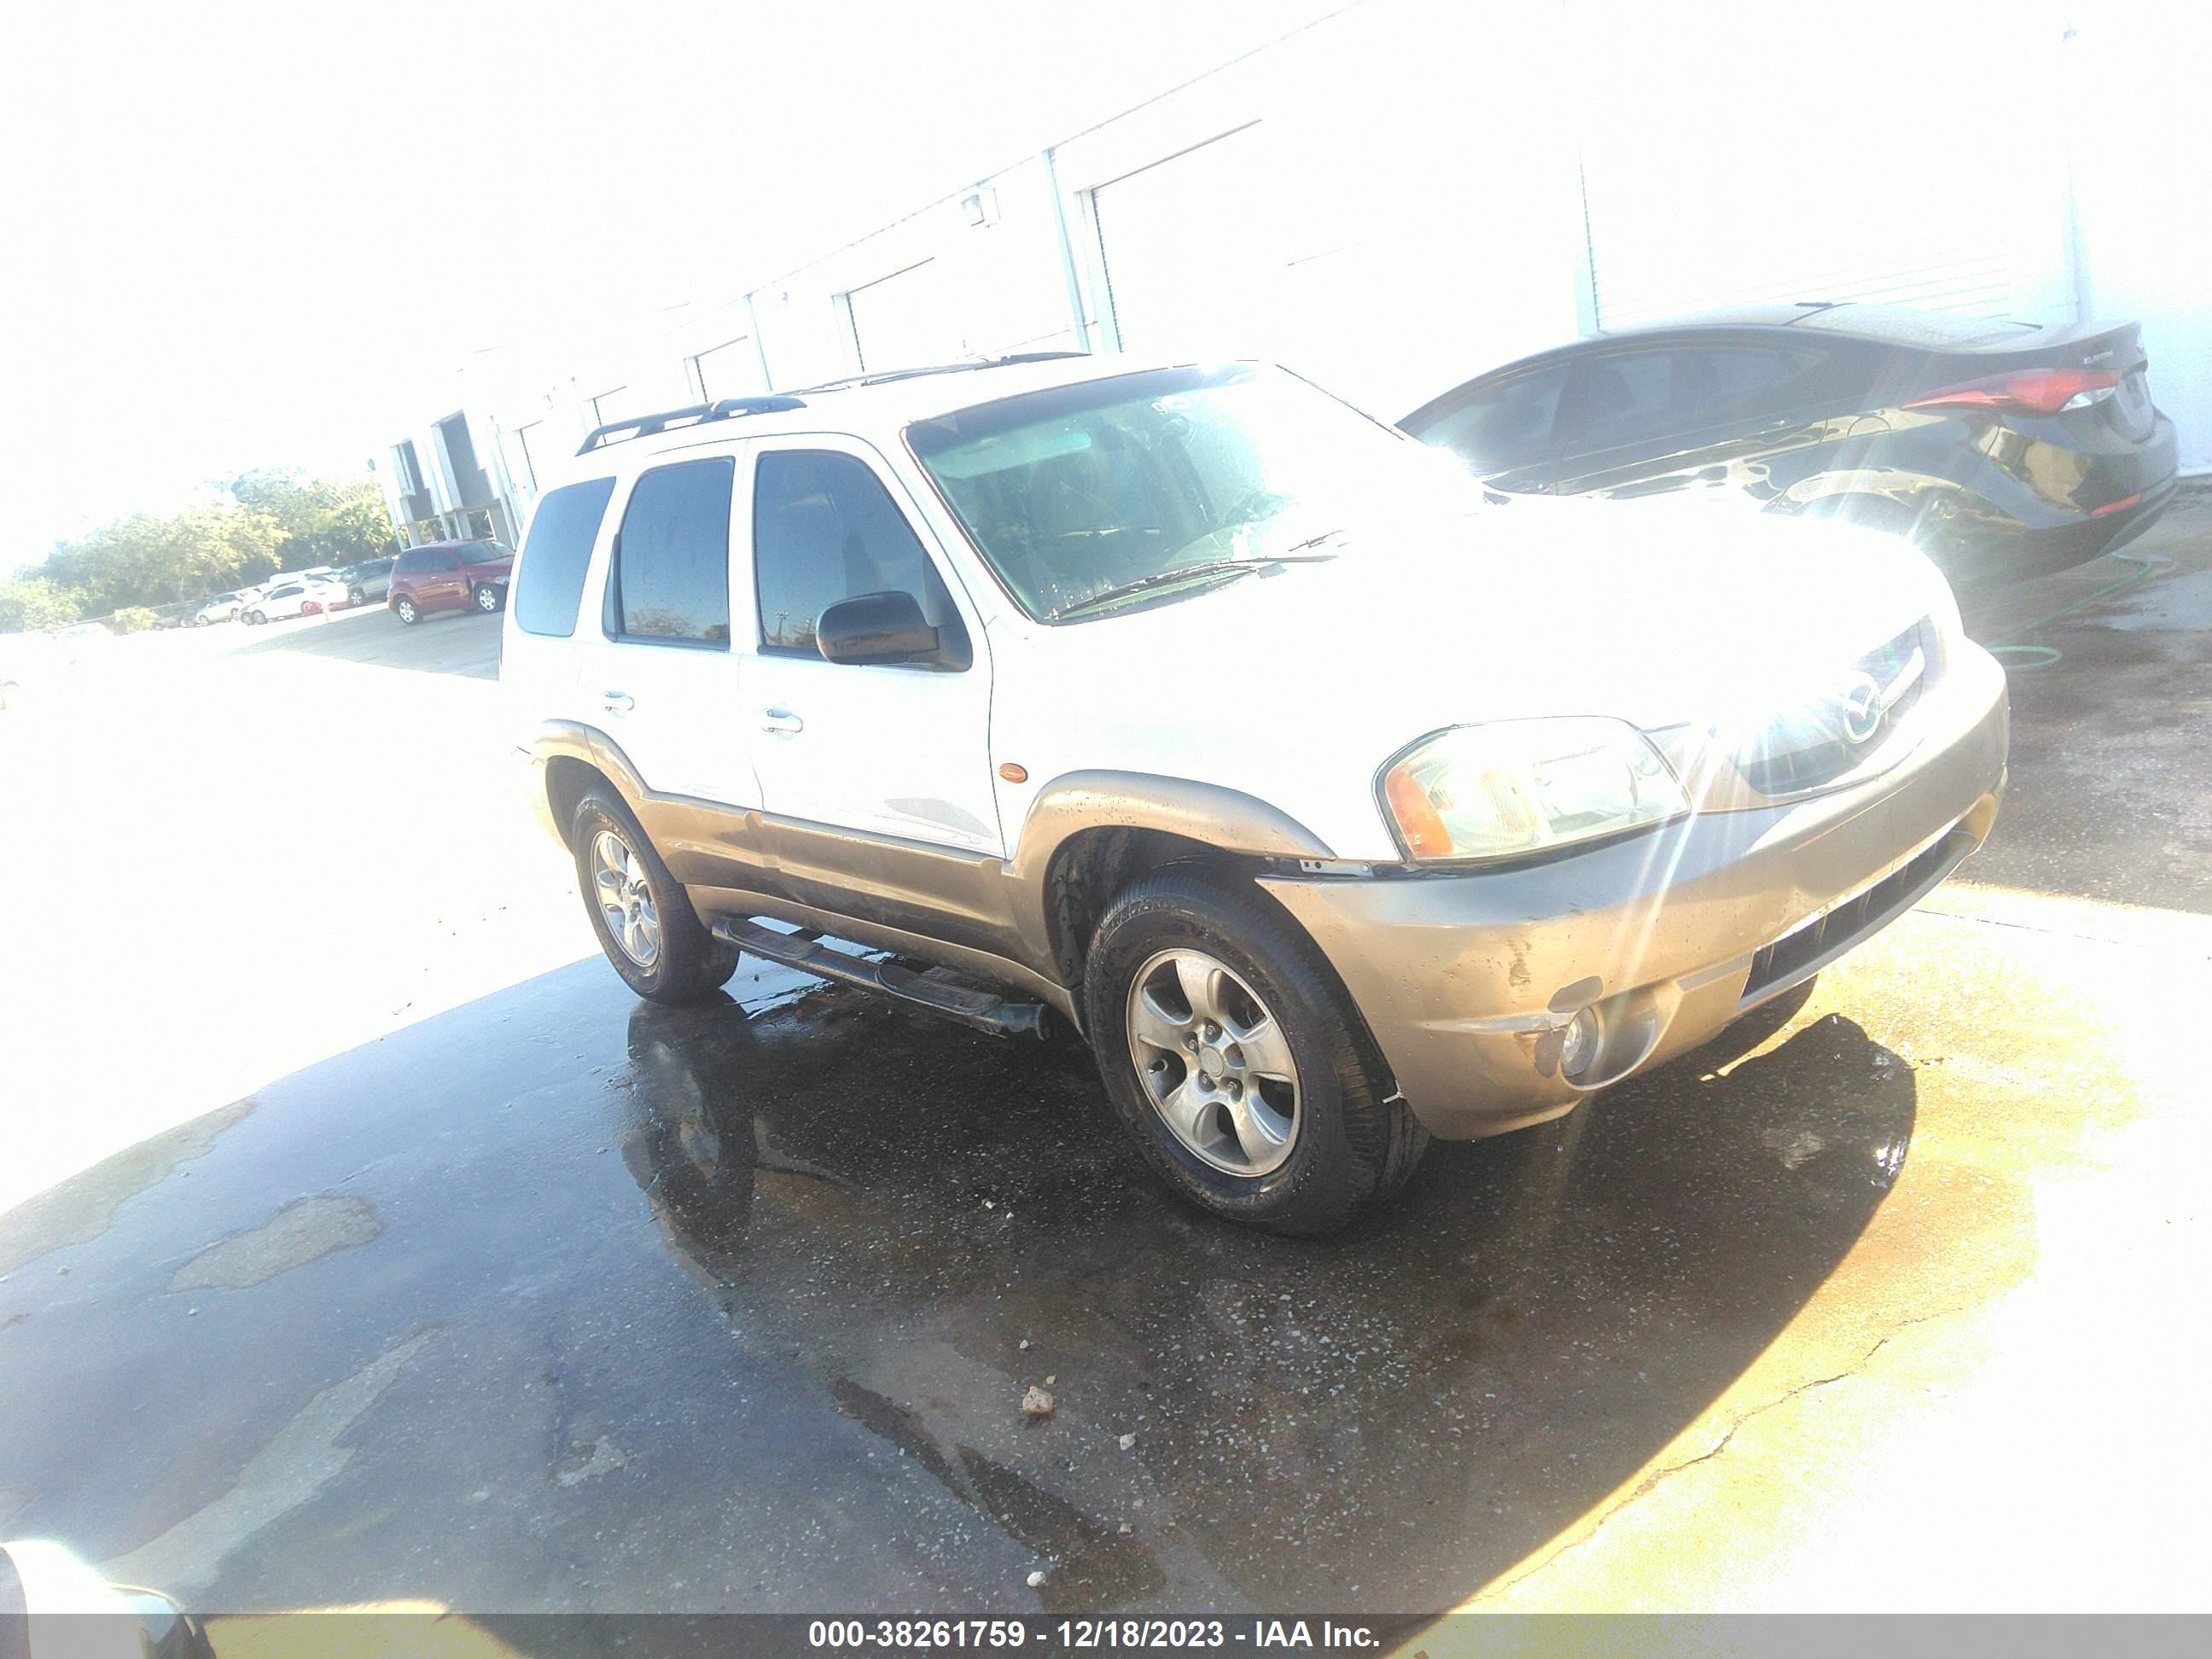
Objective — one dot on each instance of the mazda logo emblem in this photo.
(1859, 709)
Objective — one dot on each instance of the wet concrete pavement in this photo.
(554, 1300)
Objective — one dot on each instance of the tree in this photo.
(275, 520)
(324, 520)
(29, 602)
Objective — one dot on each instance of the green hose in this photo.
(2025, 658)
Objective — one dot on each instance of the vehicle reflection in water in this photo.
(929, 1221)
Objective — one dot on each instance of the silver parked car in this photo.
(367, 582)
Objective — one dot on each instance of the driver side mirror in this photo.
(887, 628)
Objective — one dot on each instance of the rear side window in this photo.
(1502, 426)
(825, 528)
(550, 586)
(1736, 383)
(670, 584)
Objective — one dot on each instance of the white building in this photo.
(1403, 194)
(448, 481)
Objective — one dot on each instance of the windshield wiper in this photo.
(1191, 572)
(1337, 534)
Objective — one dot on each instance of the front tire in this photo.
(487, 598)
(255, 619)
(1236, 1060)
(642, 915)
(356, 598)
(405, 609)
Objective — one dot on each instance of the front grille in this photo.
(1816, 745)
(1847, 924)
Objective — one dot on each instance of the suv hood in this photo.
(1297, 684)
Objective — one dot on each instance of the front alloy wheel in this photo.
(405, 610)
(1236, 1060)
(487, 599)
(1213, 1061)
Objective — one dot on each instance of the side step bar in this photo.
(984, 1010)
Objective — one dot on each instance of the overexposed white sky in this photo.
(245, 234)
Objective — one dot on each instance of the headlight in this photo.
(1510, 787)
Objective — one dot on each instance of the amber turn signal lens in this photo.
(1014, 774)
(1418, 818)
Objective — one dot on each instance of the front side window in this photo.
(671, 582)
(550, 587)
(1146, 486)
(1618, 400)
(411, 564)
(1502, 426)
(825, 528)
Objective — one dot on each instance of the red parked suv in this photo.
(449, 576)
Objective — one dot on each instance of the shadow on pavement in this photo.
(561, 1301)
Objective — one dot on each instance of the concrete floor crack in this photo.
(1657, 1477)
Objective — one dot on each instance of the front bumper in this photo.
(1469, 980)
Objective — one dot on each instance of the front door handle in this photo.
(617, 702)
(780, 719)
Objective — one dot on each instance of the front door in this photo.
(1658, 421)
(442, 585)
(876, 778)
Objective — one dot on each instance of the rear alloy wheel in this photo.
(642, 915)
(404, 609)
(487, 599)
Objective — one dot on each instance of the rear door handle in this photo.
(780, 719)
(617, 702)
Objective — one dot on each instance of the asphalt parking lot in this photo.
(362, 1240)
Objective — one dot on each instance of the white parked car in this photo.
(1192, 707)
(305, 596)
(222, 608)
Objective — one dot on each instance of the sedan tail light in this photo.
(2045, 391)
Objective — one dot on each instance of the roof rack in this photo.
(644, 426)
(890, 375)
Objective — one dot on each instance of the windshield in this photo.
(1087, 490)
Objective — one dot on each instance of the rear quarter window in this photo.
(549, 582)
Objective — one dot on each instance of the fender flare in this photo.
(1225, 819)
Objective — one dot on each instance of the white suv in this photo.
(1333, 806)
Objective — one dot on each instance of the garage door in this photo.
(730, 370)
(1711, 176)
(904, 321)
(1191, 249)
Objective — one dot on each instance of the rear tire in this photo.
(685, 963)
(405, 609)
(1350, 1144)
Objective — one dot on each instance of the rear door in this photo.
(661, 679)
(878, 776)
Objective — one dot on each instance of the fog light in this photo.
(1579, 1047)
